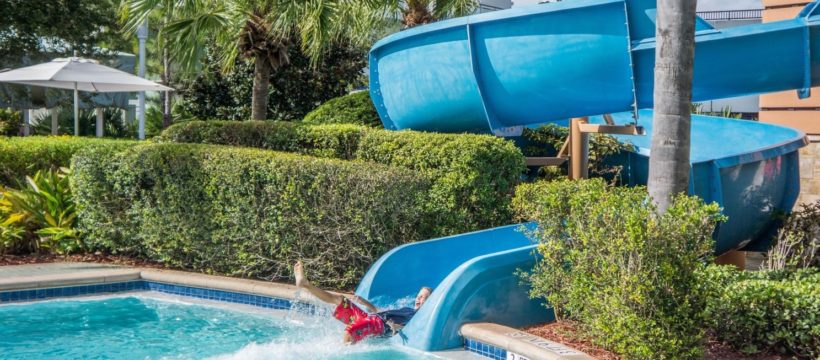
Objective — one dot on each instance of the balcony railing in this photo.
(729, 15)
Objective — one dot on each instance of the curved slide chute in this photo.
(474, 277)
(499, 71)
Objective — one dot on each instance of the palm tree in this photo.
(420, 12)
(260, 31)
(674, 64)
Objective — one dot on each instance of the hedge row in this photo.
(356, 108)
(765, 311)
(473, 176)
(21, 156)
(248, 212)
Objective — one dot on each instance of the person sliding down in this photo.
(361, 324)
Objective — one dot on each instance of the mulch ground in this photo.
(565, 332)
(93, 258)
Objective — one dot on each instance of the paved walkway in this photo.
(7, 272)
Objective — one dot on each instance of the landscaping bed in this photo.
(9, 260)
(565, 332)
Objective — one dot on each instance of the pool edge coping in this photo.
(520, 343)
(175, 277)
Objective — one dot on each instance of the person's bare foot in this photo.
(299, 274)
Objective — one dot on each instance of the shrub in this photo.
(356, 108)
(473, 175)
(248, 212)
(9, 122)
(763, 311)
(547, 141)
(625, 273)
(25, 155)
(41, 215)
(798, 242)
(335, 141)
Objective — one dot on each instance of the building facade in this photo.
(493, 5)
(785, 108)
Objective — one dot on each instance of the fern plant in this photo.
(44, 203)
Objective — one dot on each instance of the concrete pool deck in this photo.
(517, 345)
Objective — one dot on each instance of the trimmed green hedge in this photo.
(248, 212)
(21, 156)
(474, 176)
(356, 108)
(760, 311)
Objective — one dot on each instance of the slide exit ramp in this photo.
(474, 277)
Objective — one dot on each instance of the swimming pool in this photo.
(146, 325)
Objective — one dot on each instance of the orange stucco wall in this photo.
(785, 107)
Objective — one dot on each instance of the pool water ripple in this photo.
(143, 327)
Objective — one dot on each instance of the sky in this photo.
(703, 5)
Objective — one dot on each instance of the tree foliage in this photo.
(38, 30)
(295, 90)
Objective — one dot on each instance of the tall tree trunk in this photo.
(166, 79)
(674, 63)
(261, 81)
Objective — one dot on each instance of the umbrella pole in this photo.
(76, 111)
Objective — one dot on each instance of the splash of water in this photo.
(312, 333)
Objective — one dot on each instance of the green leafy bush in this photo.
(473, 176)
(356, 108)
(26, 155)
(773, 310)
(797, 244)
(334, 141)
(548, 139)
(248, 212)
(40, 215)
(9, 122)
(625, 273)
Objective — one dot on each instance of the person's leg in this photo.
(302, 282)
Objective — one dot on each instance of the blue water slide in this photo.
(474, 279)
(749, 168)
(500, 72)
(495, 72)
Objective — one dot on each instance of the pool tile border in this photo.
(22, 296)
(486, 350)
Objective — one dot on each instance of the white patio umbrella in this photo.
(80, 75)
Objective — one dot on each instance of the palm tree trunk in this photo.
(166, 79)
(261, 81)
(674, 63)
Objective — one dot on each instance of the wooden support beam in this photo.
(545, 161)
(608, 119)
(579, 150)
(734, 257)
(564, 152)
(612, 129)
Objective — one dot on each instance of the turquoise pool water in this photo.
(147, 327)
